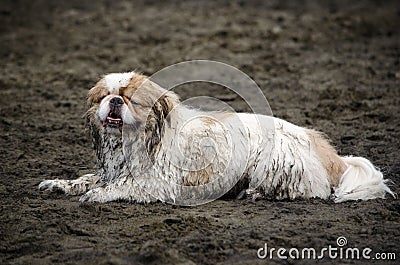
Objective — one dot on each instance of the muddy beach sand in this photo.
(333, 66)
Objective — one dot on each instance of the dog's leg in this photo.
(124, 190)
(71, 187)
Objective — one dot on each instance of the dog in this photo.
(152, 148)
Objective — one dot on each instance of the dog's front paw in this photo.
(94, 195)
(54, 185)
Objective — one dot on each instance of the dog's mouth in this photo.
(113, 120)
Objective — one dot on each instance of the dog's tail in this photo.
(361, 181)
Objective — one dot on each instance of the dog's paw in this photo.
(249, 194)
(54, 185)
(94, 195)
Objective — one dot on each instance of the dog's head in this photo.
(128, 101)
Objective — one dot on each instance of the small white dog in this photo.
(150, 147)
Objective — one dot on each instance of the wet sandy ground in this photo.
(333, 66)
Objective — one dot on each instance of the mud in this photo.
(329, 65)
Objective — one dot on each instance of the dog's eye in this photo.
(134, 102)
(103, 97)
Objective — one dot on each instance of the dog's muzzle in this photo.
(114, 118)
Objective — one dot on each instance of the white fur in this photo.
(276, 157)
(293, 164)
(291, 170)
(104, 108)
(361, 181)
(72, 187)
(127, 116)
(115, 81)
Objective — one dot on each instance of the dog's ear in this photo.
(154, 129)
(167, 103)
(96, 93)
(93, 99)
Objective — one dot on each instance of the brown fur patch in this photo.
(96, 93)
(197, 178)
(90, 114)
(328, 156)
(136, 81)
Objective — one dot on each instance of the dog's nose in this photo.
(116, 101)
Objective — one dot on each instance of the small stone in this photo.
(276, 30)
